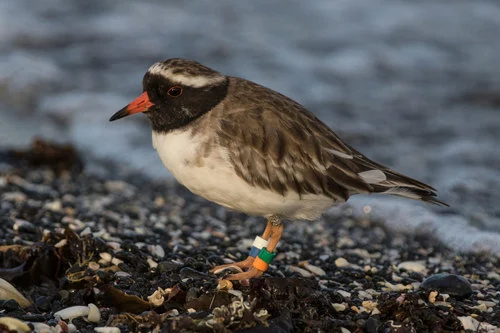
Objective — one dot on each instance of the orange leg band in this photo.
(260, 264)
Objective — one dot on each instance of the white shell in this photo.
(73, 312)
(94, 313)
(8, 291)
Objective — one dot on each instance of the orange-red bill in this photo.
(140, 104)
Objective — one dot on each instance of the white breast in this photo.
(214, 178)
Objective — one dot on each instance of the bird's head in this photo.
(175, 92)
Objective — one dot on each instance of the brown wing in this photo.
(275, 143)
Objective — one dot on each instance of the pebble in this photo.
(451, 284)
(362, 253)
(61, 243)
(118, 186)
(341, 262)
(107, 329)
(14, 325)
(413, 266)
(432, 296)
(41, 327)
(396, 287)
(168, 266)
(172, 313)
(480, 307)
(116, 246)
(345, 242)
(55, 206)
(487, 303)
(14, 196)
(105, 257)
(74, 224)
(122, 274)
(86, 231)
(369, 305)
(365, 294)
(116, 261)
(396, 278)
(40, 189)
(344, 293)
(62, 326)
(93, 265)
(469, 323)
(339, 307)
(225, 285)
(313, 269)
(23, 225)
(156, 250)
(434, 260)
(203, 235)
(152, 263)
(299, 270)
(94, 313)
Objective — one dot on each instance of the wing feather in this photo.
(275, 143)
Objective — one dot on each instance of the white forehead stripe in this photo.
(157, 68)
(193, 81)
(196, 81)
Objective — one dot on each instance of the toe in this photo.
(222, 268)
(250, 274)
(237, 266)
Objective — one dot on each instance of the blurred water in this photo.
(414, 85)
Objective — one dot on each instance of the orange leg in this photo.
(274, 230)
(247, 263)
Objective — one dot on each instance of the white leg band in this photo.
(260, 242)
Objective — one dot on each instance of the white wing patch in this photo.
(196, 81)
(374, 176)
(340, 154)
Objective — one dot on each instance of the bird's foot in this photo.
(251, 273)
(259, 257)
(236, 266)
(244, 268)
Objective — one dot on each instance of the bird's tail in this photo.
(398, 184)
(384, 180)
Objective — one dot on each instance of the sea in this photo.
(414, 85)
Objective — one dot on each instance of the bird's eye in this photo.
(175, 91)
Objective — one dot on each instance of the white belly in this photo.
(214, 178)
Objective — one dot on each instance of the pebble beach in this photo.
(118, 252)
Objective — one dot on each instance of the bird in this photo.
(254, 150)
